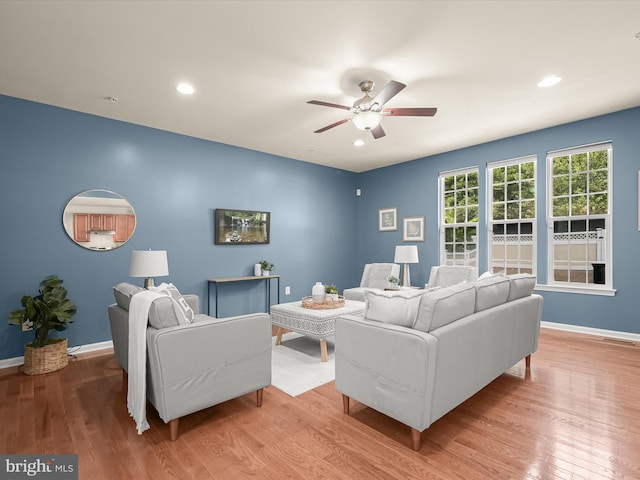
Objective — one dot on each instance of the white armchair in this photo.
(447, 275)
(374, 276)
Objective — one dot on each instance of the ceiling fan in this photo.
(368, 111)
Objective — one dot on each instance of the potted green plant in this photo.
(50, 310)
(331, 293)
(266, 267)
(393, 283)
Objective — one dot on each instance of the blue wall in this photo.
(413, 188)
(175, 182)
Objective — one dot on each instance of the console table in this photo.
(217, 281)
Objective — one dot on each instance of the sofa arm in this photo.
(387, 367)
(213, 359)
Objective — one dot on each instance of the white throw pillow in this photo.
(397, 307)
(522, 285)
(183, 311)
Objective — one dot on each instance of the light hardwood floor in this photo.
(574, 415)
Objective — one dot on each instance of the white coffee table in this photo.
(320, 324)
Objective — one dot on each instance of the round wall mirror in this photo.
(99, 220)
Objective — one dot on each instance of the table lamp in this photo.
(406, 254)
(148, 264)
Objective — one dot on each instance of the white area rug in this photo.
(297, 364)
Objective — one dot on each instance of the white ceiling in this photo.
(255, 64)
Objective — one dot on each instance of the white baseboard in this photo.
(93, 347)
(634, 337)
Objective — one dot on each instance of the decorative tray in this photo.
(307, 302)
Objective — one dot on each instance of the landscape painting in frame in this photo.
(241, 227)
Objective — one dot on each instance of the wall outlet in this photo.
(287, 290)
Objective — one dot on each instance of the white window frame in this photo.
(518, 242)
(469, 257)
(575, 287)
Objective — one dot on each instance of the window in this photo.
(459, 217)
(512, 215)
(579, 220)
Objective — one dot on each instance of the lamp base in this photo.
(406, 276)
(148, 283)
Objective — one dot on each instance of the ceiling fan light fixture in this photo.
(549, 81)
(185, 88)
(367, 120)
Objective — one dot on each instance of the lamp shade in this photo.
(367, 120)
(148, 263)
(406, 254)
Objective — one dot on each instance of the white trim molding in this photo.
(632, 337)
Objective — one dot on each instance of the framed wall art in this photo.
(241, 227)
(388, 219)
(413, 229)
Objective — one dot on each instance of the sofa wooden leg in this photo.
(173, 427)
(415, 439)
(345, 404)
(527, 361)
(259, 393)
(279, 335)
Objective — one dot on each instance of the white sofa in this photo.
(415, 357)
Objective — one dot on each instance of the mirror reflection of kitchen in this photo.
(99, 220)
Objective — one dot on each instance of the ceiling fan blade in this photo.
(327, 104)
(389, 91)
(377, 132)
(324, 129)
(410, 112)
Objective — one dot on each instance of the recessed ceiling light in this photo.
(185, 88)
(549, 81)
(358, 143)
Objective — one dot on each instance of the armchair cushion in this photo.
(399, 308)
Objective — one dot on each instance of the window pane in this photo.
(472, 198)
(449, 215)
(460, 234)
(513, 173)
(449, 199)
(598, 204)
(498, 175)
(579, 183)
(560, 186)
(527, 170)
(579, 205)
(498, 193)
(461, 215)
(513, 211)
(472, 180)
(579, 162)
(448, 235)
(598, 181)
(513, 191)
(473, 215)
(598, 159)
(528, 189)
(528, 209)
(461, 182)
(461, 197)
(561, 165)
(449, 183)
(498, 211)
(561, 207)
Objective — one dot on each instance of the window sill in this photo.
(603, 291)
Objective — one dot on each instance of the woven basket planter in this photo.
(46, 359)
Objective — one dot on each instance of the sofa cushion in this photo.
(491, 291)
(123, 292)
(522, 285)
(397, 307)
(162, 314)
(183, 312)
(445, 305)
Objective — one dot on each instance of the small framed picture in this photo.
(413, 229)
(388, 219)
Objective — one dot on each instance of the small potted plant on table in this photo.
(50, 310)
(393, 283)
(331, 293)
(266, 267)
